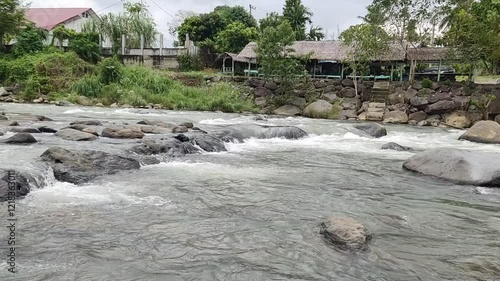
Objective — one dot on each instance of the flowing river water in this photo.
(253, 212)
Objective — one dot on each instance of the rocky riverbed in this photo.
(173, 195)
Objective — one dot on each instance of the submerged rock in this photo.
(87, 123)
(156, 123)
(171, 147)
(45, 129)
(372, 129)
(42, 118)
(75, 135)
(283, 132)
(395, 146)
(2, 117)
(25, 130)
(116, 133)
(208, 143)
(188, 125)
(82, 166)
(346, 234)
(180, 130)
(459, 166)
(21, 138)
(483, 132)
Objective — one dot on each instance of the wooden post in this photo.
(392, 71)
(123, 44)
(439, 71)
(342, 71)
(224, 65)
(401, 73)
(100, 41)
(232, 64)
(142, 45)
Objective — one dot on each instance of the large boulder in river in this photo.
(14, 185)
(117, 133)
(171, 147)
(208, 143)
(497, 119)
(483, 132)
(82, 166)
(288, 110)
(460, 166)
(396, 117)
(346, 234)
(318, 109)
(372, 129)
(21, 138)
(75, 135)
(283, 132)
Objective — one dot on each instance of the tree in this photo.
(298, 16)
(271, 20)
(236, 14)
(275, 54)
(178, 19)
(86, 46)
(202, 28)
(235, 37)
(475, 34)
(315, 34)
(30, 40)
(11, 18)
(365, 43)
(136, 21)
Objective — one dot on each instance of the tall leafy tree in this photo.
(316, 33)
(136, 21)
(271, 20)
(365, 43)
(298, 16)
(11, 18)
(235, 37)
(30, 40)
(202, 28)
(275, 54)
(236, 14)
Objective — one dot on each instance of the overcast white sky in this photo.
(329, 14)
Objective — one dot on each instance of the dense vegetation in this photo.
(59, 75)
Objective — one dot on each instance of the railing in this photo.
(227, 70)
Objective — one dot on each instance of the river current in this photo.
(253, 212)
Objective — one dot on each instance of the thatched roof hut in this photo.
(337, 51)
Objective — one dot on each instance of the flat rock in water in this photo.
(180, 130)
(21, 138)
(395, 146)
(82, 166)
(42, 118)
(45, 129)
(188, 125)
(75, 135)
(208, 143)
(116, 133)
(87, 123)
(459, 166)
(483, 132)
(3, 117)
(372, 129)
(25, 130)
(346, 234)
(156, 123)
(9, 123)
(283, 132)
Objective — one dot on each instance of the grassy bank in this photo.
(57, 75)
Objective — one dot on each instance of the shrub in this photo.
(110, 70)
(111, 94)
(89, 86)
(190, 62)
(86, 46)
(426, 83)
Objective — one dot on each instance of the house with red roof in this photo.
(50, 18)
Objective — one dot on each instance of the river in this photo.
(253, 212)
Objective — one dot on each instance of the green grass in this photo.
(140, 86)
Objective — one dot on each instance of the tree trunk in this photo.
(2, 47)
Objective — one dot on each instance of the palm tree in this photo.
(298, 16)
(316, 33)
